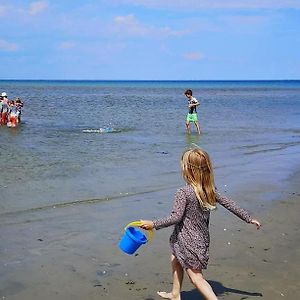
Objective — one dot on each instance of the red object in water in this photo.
(4, 118)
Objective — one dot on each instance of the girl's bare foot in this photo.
(168, 296)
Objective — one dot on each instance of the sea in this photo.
(58, 156)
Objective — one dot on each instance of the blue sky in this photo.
(150, 39)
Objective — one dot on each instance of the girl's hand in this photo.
(256, 223)
(146, 224)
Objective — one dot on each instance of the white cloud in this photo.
(216, 4)
(129, 19)
(66, 45)
(20, 12)
(129, 25)
(193, 56)
(37, 7)
(7, 46)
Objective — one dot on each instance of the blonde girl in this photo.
(190, 214)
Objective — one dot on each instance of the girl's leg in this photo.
(201, 284)
(177, 272)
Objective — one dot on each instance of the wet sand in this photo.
(72, 252)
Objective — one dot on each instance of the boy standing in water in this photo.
(192, 114)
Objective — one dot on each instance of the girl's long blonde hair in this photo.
(197, 171)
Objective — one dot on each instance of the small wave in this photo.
(85, 201)
(102, 130)
(262, 148)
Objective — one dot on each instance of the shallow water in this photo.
(250, 129)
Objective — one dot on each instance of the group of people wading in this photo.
(10, 110)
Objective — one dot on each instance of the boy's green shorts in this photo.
(192, 117)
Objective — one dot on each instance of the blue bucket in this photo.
(132, 240)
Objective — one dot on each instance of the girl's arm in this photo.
(234, 208)
(175, 216)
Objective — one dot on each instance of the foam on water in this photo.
(102, 130)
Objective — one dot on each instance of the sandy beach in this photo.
(71, 252)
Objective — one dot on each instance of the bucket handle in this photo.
(138, 224)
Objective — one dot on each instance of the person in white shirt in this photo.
(192, 114)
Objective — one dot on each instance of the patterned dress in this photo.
(190, 239)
